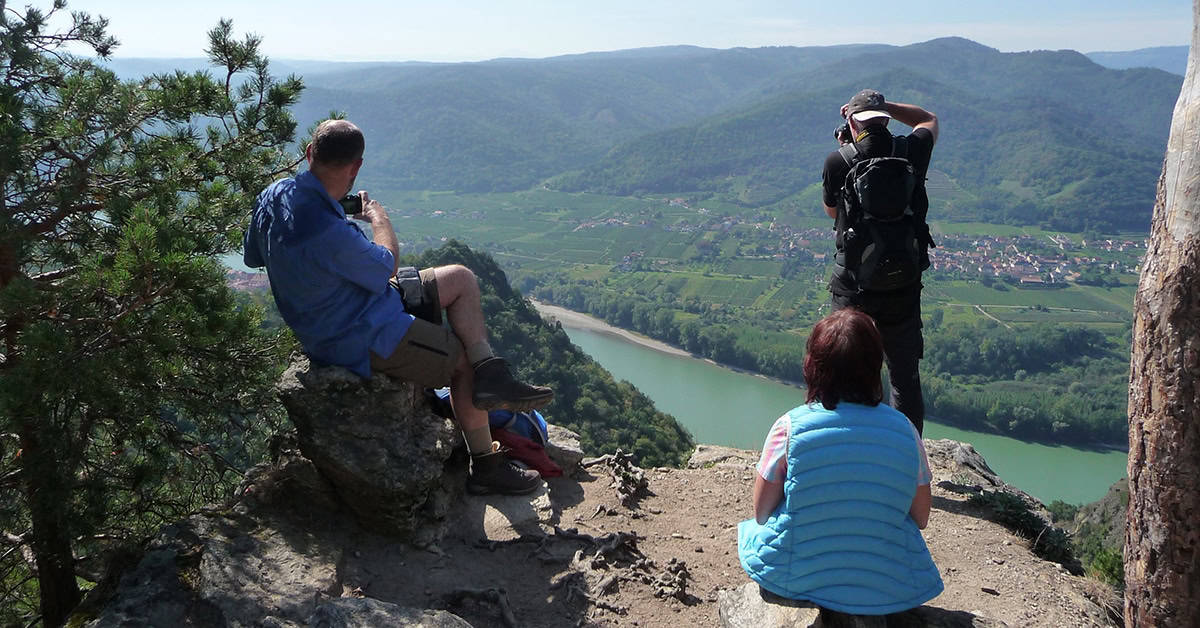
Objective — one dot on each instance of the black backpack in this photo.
(883, 241)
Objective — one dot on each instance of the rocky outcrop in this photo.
(1104, 520)
(707, 456)
(380, 445)
(364, 523)
(248, 565)
(966, 466)
(369, 458)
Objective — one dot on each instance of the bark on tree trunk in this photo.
(49, 507)
(1162, 538)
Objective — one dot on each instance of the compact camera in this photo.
(351, 204)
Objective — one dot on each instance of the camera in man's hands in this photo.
(842, 133)
(351, 204)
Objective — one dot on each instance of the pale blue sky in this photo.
(402, 30)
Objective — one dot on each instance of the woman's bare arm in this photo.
(921, 503)
(767, 496)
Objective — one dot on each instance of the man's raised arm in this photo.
(382, 232)
(914, 116)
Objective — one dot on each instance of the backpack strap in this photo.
(848, 153)
(900, 146)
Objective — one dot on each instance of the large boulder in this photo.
(249, 564)
(378, 443)
(370, 613)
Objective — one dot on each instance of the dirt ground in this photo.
(575, 555)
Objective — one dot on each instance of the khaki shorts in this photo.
(428, 353)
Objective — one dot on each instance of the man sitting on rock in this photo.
(338, 292)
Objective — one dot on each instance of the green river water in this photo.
(720, 406)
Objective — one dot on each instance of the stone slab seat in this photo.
(749, 606)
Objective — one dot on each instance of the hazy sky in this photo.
(467, 30)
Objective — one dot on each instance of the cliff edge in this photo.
(607, 544)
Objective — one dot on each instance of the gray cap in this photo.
(867, 105)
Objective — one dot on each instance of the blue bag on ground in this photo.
(531, 425)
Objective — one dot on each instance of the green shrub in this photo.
(1062, 511)
(1012, 512)
(1108, 566)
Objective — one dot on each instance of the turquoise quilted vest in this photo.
(841, 537)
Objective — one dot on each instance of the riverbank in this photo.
(579, 320)
(721, 406)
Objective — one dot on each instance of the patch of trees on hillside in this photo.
(1045, 382)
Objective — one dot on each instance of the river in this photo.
(721, 406)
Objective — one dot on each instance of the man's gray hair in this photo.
(337, 143)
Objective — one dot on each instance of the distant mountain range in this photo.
(1173, 59)
(1033, 137)
(1037, 137)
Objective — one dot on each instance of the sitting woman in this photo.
(842, 491)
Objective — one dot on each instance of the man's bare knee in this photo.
(455, 281)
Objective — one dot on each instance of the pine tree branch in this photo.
(60, 214)
(12, 478)
(54, 275)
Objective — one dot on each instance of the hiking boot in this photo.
(496, 388)
(493, 472)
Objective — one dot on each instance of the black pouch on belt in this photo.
(412, 292)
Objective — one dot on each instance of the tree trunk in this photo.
(1162, 539)
(49, 508)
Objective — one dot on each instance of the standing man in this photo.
(339, 293)
(874, 189)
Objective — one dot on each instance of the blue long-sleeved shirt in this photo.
(329, 281)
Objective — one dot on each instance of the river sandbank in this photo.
(579, 320)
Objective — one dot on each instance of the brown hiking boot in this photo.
(496, 388)
(493, 472)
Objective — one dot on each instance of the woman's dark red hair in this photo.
(843, 360)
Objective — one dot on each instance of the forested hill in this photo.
(606, 413)
(1040, 137)
(509, 124)
(1027, 138)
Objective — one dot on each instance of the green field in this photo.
(745, 287)
(715, 255)
(1074, 303)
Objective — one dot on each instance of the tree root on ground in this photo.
(576, 586)
(602, 546)
(596, 570)
(629, 480)
(615, 558)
